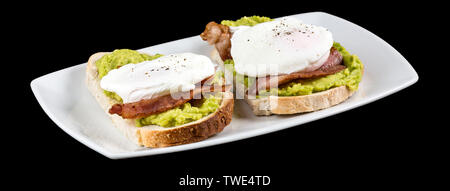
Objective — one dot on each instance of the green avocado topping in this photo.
(248, 21)
(350, 77)
(183, 114)
(119, 58)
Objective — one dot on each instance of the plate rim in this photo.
(253, 133)
(77, 136)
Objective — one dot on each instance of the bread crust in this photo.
(156, 136)
(290, 104)
(299, 104)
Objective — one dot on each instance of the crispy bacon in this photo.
(160, 104)
(219, 36)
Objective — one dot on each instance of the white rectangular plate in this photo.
(64, 97)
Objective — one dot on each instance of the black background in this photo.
(385, 144)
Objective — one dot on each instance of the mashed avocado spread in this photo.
(350, 77)
(183, 114)
(248, 21)
(119, 58)
(177, 116)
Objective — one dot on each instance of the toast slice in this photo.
(157, 136)
(289, 104)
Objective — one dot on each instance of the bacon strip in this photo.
(331, 66)
(219, 36)
(160, 104)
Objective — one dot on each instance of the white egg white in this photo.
(282, 46)
(169, 73)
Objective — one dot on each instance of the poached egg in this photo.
(282, 46)
(169, 73)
